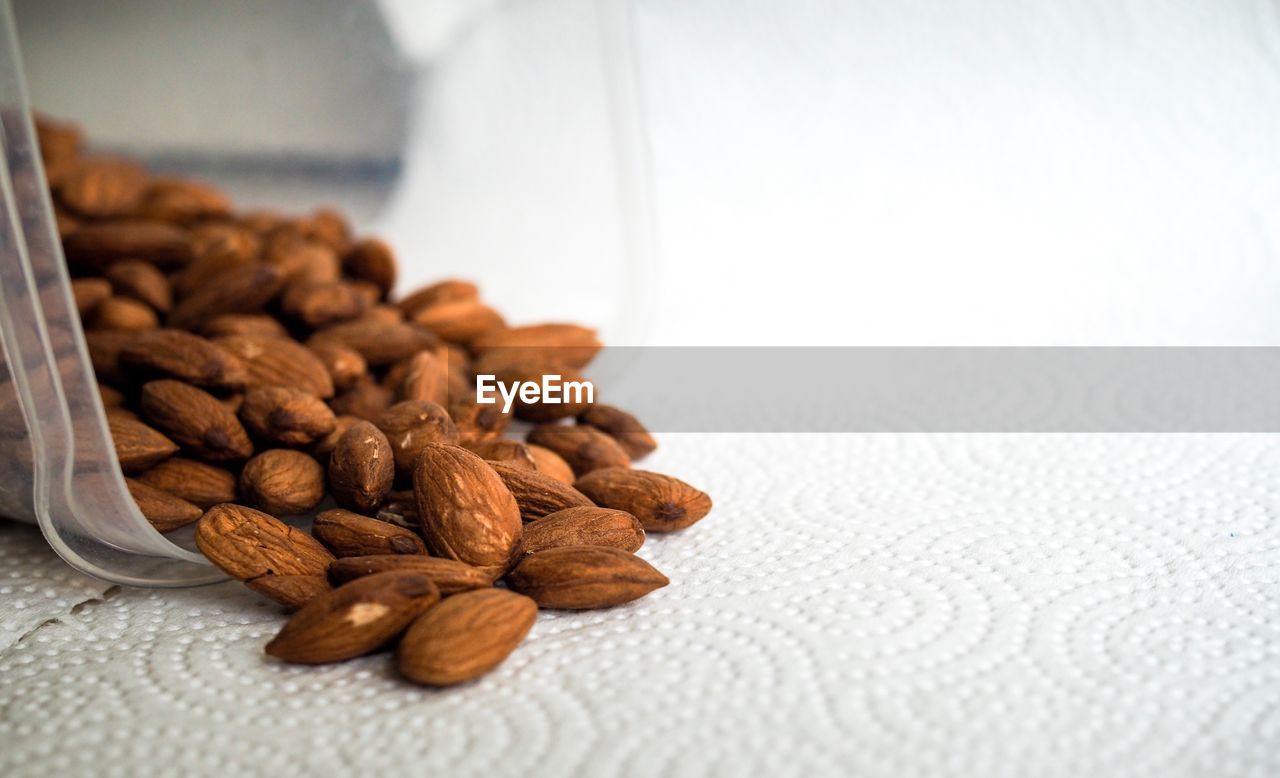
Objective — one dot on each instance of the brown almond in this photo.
(248, 544)
(584, 448)
(188, 357)
(195, 420)
(660, 502)
(239, 290)
(371, 260)
(137, 445)
(549, 344)
(282, 482)
(326, 226)
(550, 463)
(104, 353)
(225, 239)
(459, 322)
(467, 513)
(165, 511)
(449, 290)
(538, 494)
(355, 619)
(584, 526)
(465, 636)
(141, 281)
(509, 452)
(182, 201)
(622, 427)
(275, 361)
(302, 261)
(88, 294)
(367, 400)
(350, 534)
(450, 575)
(99, 245)
(290, 417)
(425, 377)
(584, 577)
(401, 509)
(291, 591)
(380, 343)
(124, 314)
(345, 365)
(377, 313)
(317, 303)
(412, 425)
(101, 188)
(196, 482)
(323, 447)
(208, 268)
(111, 397)
(252, 325)
(361, 468)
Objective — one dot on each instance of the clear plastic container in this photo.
(502, 142)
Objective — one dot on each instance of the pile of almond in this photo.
(254, 366)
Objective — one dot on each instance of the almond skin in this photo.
(622, 427)
(282, 482)
(277, 361)
(446, 291)
(467, 513)
(100, 245)
(165, 511)
(367, 399)
(550, 463)
(101, 188)
(355, 619)
(123, 314)
(465, 636)
(240, 290)
(289, 417)
(195, 420)
(584, 577)
(660, 502)
(412, 425)
(88, 294)
(538, 494)
(349, 534)
(184, 356)
(449, 575)
(138, 446)
(250, 325)
(380, 343)
(509, 452)
(317, 303)
(141, 281)
(291, 591)
(584, 448)
(425, 377)
(248, 544)
(459, 322)
(361, 468)
(548, 344)
(584, 526)
(197, 482)
(371, 260)
(345, 365)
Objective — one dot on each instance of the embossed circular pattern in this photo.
(874, 605)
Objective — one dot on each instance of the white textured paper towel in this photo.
(871, 605)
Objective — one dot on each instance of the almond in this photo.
(165, 511)
(355, 619)
(239, 290)
(99, 245)
(323, 447)
(509, 452)
(465, 636)
(275, 361)
(291, 591)
(290, 417)
(466, 512)
(584, 448)
(188, 357)
(101, 188)
(550, 463)
(371, 260)
(584, 526)
(622, 427)
(425, 377)
(412, 425)
(182, 202)
(584, 577)
(141, 281)
(104, 353)
(248, 544)
(349, 534)
(138, 446)
(660, 502)
(282, 482)
(549, 344)
(195, 420)
(450, 575)
(252, 325)
(345, 365)
(367, 399)
(88, 294)
(538, 494)
(447, 291)
(317, 303)
(459, 322)
(124, 314)
(380, 343)
(361, 468)
(196, 482)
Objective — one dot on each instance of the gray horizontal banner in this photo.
(943, 389)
